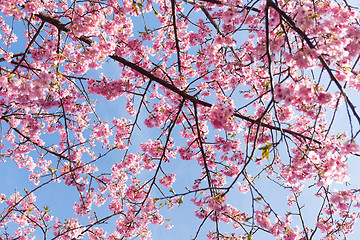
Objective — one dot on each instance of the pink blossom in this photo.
(283, 93)
(167, 180)
(221, 117)
(349, 147)
(243, 188)
(263, 220)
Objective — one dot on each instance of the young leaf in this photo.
(266, 150)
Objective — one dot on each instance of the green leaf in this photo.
(172, 191)
(257, 199)
(47, 209)
(52, 170)
(315, 15)
(266, 150)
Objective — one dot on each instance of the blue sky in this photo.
(60, 199)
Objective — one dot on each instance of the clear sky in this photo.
(60, 199)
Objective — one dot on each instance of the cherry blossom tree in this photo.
(251, 95)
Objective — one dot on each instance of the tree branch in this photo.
(63, 27)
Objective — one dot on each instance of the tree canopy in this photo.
(243, 111)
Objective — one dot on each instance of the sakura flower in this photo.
(243, 188)
(349, 147)
(263, 220)
(221, 117)
(283, 93)
(167, 180)
(217, 203)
